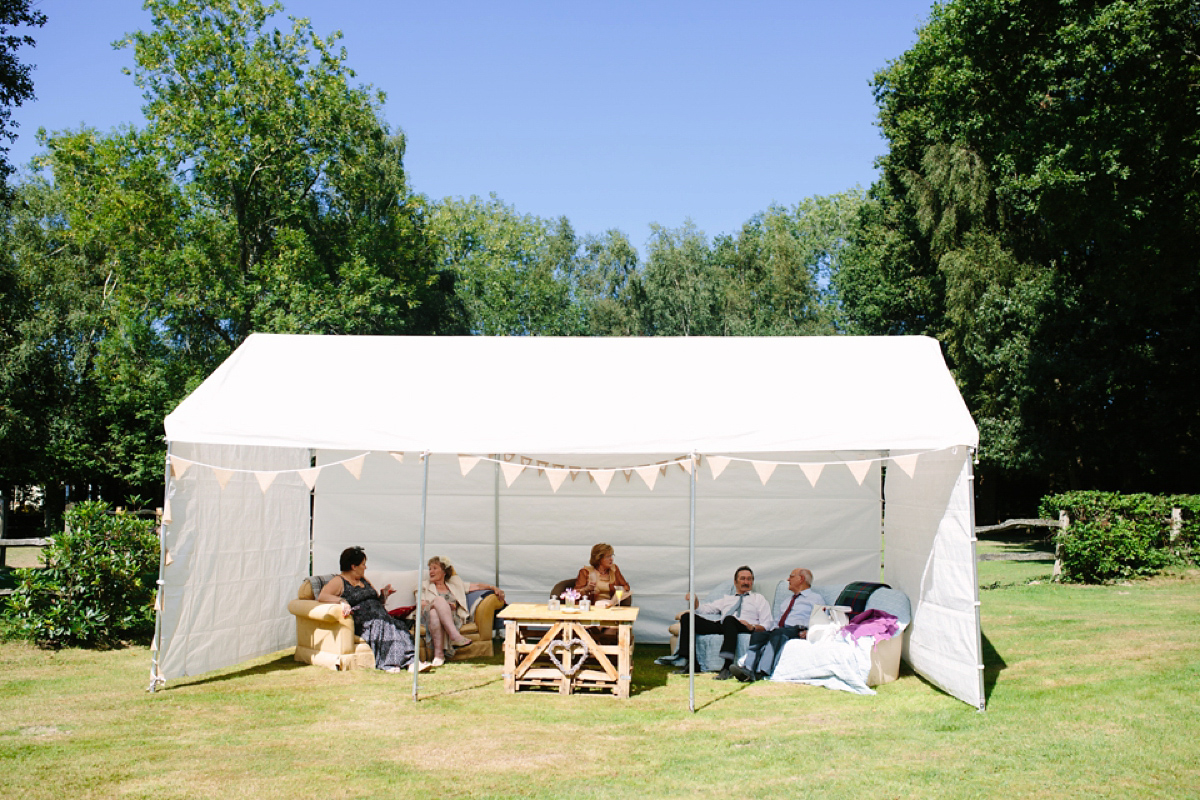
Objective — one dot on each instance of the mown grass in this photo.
(1092, 691)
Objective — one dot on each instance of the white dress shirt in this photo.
(801, 609)
(755, 609)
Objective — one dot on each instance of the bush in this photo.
(97, 586)
(1114, 536)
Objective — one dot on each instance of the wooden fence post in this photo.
(1064, 522)
(1176, 522)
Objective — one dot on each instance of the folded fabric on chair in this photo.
(857, 594)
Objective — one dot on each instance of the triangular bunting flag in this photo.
(222, 475)
(603, 478)
(166, 514)
(812, 472)
(526, 461)
(265, 479)
(354, 466)
(717, 465)
(157, 601)
(908, 464)
(556, 477)
(765, 470)
(511, 471)
(179, 466)
(649, 475)
(686, 465)
(859, 469)
(467, 463)
(309, 476)
(398, 456)
(574, 473)
(168, 559)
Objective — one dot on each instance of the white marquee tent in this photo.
(513, 456)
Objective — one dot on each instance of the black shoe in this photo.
(742, 674)
(724, 674)
(680, 670)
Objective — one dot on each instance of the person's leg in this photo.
(774, 646)
(731, 628)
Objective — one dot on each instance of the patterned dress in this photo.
(387, 636)
(447, 647)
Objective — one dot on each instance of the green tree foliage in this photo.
(512, 271)
(16, 84)
(97, 586)
(1038, 212)
(265, 194)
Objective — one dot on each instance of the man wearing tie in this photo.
(765, 646)
(738, 613)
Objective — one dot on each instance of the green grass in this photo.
(1092, 691)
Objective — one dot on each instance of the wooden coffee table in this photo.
(566, 656)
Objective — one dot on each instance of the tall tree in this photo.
(16, 83)
(1038, 211)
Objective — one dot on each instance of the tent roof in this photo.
(579, 395)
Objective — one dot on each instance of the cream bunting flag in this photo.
(717, 465)
(158, 601)
(765, 470)
(908, 464)
(309, 476)
(467, 463)
(648, 474)
(859, 469)
(166, 514)
(511, 471)
(686, 465)
(556, 477)
(222, 475)
(168, 559)
(398, 456)
(603, 478)
(354, 466)
(179, 466)
(265, 479)
(812, 472)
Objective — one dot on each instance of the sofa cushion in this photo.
(310, 589)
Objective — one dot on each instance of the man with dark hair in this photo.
(741, 612)
(765, 646)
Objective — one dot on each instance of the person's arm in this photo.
(620, 580)
(484, 587)
(759, 618)
(332, 594)
(582, 584)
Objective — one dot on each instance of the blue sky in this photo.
(616, 114)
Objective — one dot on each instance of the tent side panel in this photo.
(237, 555)
(930, 544)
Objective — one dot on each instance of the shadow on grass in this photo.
(993, 665)
(284, 663)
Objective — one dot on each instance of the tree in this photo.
(511, 269)
(1038, 212)
(16, 85)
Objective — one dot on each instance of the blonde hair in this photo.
(445, 564)
(598, 553)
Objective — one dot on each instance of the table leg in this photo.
(510, 655)
(624, 659)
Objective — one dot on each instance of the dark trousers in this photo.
(729, 628)
(765, 647)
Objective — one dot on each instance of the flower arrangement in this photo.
(571, 596)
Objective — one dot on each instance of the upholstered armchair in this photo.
(326, 638)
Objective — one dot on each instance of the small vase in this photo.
(585, 605)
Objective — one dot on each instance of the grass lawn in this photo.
(1092, 692)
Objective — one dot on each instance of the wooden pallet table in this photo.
(555, 649)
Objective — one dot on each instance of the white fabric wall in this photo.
(544, 537)
(236, 559)
(930, 555)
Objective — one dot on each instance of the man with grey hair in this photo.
(765, 646)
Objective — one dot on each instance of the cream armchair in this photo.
(326, 638)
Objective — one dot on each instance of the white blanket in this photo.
(835, 663)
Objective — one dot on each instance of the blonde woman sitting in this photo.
(445, 609)
(600, 580)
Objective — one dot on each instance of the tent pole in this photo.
(496, 518)
(975, 582)
(156, 650)
(692, 586)
(416, 659)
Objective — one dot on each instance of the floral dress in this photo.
(447, 647)
(387, 636)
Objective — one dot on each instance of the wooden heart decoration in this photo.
(568, 648)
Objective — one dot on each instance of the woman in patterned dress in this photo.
(387, 636)
(445, 609)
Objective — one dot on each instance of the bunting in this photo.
(812, 472)
(764, 469)
(466, 464)
(717, 465)
(907, 464)
(603, 478)
(859, 469)
(648, 474)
